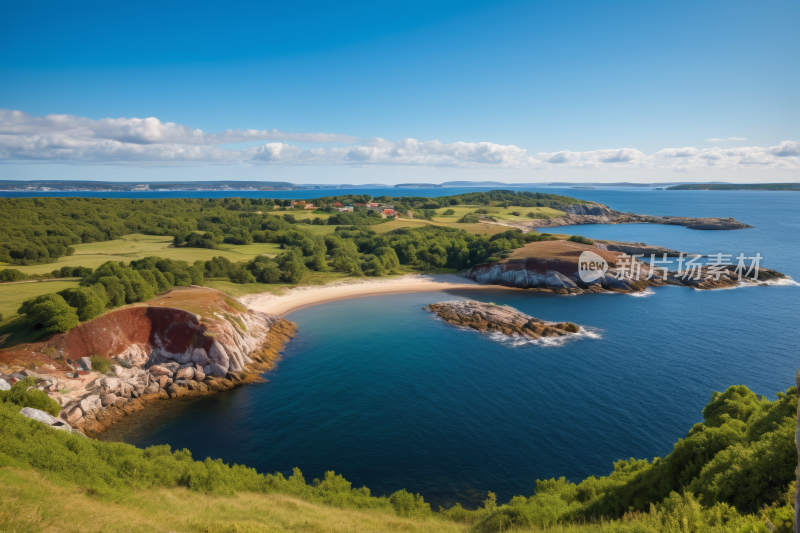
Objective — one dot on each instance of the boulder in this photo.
(124, 373)
(4, 385)
(172, 366)
(119, 402)
(202, 387)
(90, 403)
(73, 415)
(218, 355)
(84, 363)
(108, 399)
(46, 418)
(185, 373)
(199, 357)
(160, 370)
(199, 375)
(215, 370)
(151, 389)
(163, 381)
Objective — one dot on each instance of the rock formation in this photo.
(502, 318)
(594, 213)
(156, 351)
(553, 266)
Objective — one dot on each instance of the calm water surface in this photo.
(379, 390)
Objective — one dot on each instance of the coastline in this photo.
(302, 297)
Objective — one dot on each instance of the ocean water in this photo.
(386, 394)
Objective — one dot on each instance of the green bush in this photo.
(581, 240)
(449, 212)
(20, 396)
(100, 364)
(85, 300)
(10, 274)
(50, 313)
(469, 218)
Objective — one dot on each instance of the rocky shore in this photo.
(554, 266)
(155, 353)
(501, 318)
(600, 214)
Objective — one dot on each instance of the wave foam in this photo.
(643, 294)
(516, 340)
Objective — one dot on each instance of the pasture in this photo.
(137, 246)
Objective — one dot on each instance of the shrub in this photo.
(100, 363)
(21, 396)
(85, 300)
(407, 504)
(10, 274)
(581, 240)
(516, 213)
(449, 212)
(469, 218)
(49, 312)
(481, 211)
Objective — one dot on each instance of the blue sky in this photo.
(513, 91)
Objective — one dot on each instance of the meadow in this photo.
(136, 246)
(13, 294)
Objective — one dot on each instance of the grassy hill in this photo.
(733, 473)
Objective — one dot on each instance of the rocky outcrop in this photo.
(156, 352)
(554, 266)
(632, 248)
(594, 213)
(591, 209)
(501, 318)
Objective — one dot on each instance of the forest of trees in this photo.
(40, 230)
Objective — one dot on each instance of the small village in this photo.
(385, 210)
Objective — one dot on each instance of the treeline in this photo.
(732, 473)
(40, 230)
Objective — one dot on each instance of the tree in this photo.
(50, 313)
(10, 274)
(86, 301)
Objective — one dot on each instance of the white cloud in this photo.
(677, 152)
(145, 130)
(717, 140)
(611, 158)
(68, 138)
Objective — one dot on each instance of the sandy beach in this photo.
(306, 296)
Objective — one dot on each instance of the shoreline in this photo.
(302, 297)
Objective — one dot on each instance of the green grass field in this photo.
(13, 294)
(498, 212)
(137, 246)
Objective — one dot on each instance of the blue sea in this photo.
(384, 393)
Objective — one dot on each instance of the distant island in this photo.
(736, 187)
(253, 186)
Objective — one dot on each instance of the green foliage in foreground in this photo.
(20, 396)
(740, 460)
